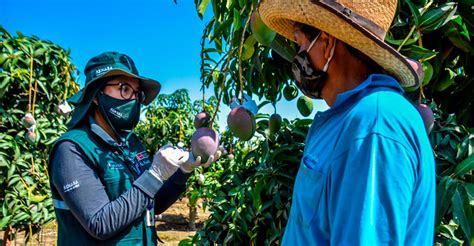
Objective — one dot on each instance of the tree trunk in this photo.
(192, 217)
(5, 241)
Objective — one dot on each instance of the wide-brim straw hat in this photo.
(360, 24)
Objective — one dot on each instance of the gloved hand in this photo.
(166, 161)
(193, 162)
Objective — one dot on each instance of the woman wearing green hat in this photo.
(105, 189)
(367, 174)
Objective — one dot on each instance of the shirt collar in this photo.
(373, 82)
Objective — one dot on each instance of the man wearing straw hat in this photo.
(367, 176)
(105, 189)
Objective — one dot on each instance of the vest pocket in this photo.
(117, 182)
(308, 191)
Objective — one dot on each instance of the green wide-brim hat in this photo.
(105, 65)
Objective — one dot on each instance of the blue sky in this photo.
(162, 38)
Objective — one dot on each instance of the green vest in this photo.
(117, 178)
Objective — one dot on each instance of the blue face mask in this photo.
(122, 115)
(308, 79)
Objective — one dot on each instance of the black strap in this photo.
(351, 16)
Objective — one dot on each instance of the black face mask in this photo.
(308, 79)
(122, 115)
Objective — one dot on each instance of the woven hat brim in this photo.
(150, 87)
(281, 16)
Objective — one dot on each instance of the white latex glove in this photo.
(166, 161)
(193, 162)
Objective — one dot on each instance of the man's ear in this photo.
(328, 44)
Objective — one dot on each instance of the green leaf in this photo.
(414, 11)
(444, 193)
(218, 29)
(237, 19)
(470, 149)
(428, 72)
(4, 85)
(282, 48)
(8, 46)
(37, 199)
(4, 222)
(13, 180)
(447, 79)
(11, 171)
(3, 57)
(465, 166)
(435, 18)
(470, 191)
(43, 87)
(202, 8)
(249, 156)
(39, 52)
(248, 49)
(256, 197)
(36, 217)
(281, 150)
(458, 34)
(397, 42)
(463, 212)
(20, 217)
(263, 34)
(446, 230)
(419, 53)
(186, 242)
(242, 3)
(229, 4)
(4, 209)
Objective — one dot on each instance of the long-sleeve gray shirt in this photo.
(80, 187)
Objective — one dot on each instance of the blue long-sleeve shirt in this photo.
(367, 176)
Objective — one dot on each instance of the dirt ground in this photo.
(172, 227)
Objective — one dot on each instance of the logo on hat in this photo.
(102, 70)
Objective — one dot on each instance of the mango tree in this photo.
(170, 120)
(36, 76)
(241, 55)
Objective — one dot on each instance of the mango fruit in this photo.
(305, 105)
(204, 143)
(427, 116)
(241, 123)
(28, 120)
(202, 120)
(428, 71)
(31, 137)
(274, 123)
(261, 32)
(290, 92)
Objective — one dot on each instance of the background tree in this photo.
(239, 54)
(35, 77)
(170, 120)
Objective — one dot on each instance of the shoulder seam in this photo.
(368, 135)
